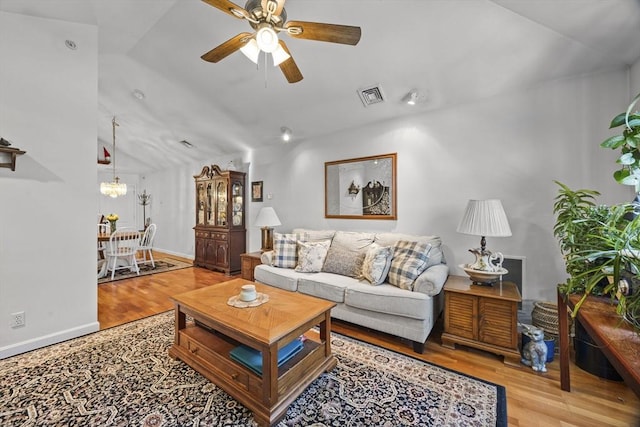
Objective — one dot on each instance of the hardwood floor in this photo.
(533, 399)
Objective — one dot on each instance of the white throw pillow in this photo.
(376, 264)
(311, 256)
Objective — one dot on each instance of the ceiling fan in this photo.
(268, 18)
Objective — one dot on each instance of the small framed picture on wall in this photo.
(256, 191)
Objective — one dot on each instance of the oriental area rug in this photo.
(123, 376)
(161, 265)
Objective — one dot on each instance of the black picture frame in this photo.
(256, 191)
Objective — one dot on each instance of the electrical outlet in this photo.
(18, 319)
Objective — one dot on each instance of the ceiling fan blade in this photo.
(227, 48)
(289, 67)
(333, 33)
(226, 6)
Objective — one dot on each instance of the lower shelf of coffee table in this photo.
(208, 352)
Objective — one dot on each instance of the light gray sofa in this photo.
(409, 314)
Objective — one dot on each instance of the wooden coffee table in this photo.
(205, 343)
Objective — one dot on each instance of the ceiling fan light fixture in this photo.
(251, 50)
(267, 39)
(279, 56)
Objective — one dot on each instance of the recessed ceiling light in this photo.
(138, 94)
(286, 133)
(70, 44)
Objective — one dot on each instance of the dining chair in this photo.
(146, 245)
(102, 229)
(121, 250)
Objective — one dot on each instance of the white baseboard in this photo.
(179, 254)
(35, 343)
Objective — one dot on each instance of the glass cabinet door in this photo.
(237, 194)
(200, 204)
(221, 199)
(209, 205)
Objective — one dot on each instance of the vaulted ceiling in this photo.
(452, 51)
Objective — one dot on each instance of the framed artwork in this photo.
(256, 191)
(361, 188)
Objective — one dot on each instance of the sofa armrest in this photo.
(431, 281)
(267, 257)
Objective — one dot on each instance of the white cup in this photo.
(248, 293)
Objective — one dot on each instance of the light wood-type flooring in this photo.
(533, 399)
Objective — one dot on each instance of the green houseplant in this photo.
(598, 243)
(601, 244)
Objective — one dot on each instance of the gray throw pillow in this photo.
(344, 262)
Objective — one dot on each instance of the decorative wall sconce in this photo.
(10, 153)
(353, 190)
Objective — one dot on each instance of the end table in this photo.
(483, 317)
(248, 262)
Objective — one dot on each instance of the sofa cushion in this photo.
(283, 278)
(352, 241)
(388, 299)
(409, 260)
(344, 262)
(376, 264)
(311, 256)
(435, 256)
(285, 250)
(323, 285)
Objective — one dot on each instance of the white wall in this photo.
(510, 147)
(48, 107)
(634, 80)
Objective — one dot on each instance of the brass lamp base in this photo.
(267, 239)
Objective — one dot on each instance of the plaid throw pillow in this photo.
(285, 252)
(409, 261)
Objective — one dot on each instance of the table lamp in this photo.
(267, 219)
(484, 218)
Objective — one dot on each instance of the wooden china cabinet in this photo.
(220, 231)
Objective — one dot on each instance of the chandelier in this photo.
(114, 188)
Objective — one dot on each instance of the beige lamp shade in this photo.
(485, 218)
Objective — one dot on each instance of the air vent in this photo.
(371, 95)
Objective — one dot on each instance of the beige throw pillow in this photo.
(311, 256)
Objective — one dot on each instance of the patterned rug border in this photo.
(175, 265)
(41, 356)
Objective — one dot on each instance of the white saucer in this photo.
(235, 301)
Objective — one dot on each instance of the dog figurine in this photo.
(534, 353)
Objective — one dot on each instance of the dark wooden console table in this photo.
(615, 337)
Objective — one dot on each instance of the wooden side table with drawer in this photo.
(248, 262)
(483, 317)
